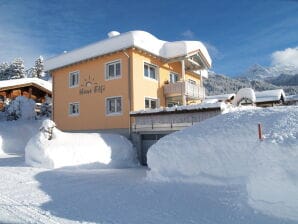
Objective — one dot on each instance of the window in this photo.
(150, 71)
(74, 79)
(192, 81)
(113, 70)
(74, 109)
(150, 103)
(173, 77)
(114, 105)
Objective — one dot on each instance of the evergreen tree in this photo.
(16, 69)
(4, 71)
(38, 67)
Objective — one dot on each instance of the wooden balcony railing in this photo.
(184, 88)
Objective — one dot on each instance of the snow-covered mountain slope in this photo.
(220, 84)
(258, 72)
(226, 150)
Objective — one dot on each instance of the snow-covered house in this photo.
(34, 88)
(270, 98)
(97, 86)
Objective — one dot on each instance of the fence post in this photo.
(260, 131)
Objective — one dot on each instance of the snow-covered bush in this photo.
(21, 108)
(46, 107)
(52, 148)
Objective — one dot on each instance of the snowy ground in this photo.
(78, 195)
(116, 196)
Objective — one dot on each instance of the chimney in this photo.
(113, 34)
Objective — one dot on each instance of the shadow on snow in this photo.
(125, 196)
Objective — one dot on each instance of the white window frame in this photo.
(78, 109)
(156, 68)
(173, 74)
(150, 100)
(70, 85)
(113, 63)
(116, 113)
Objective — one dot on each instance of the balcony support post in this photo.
(183, 78)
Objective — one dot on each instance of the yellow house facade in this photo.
(97, 86)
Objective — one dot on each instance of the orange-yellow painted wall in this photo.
(145, 87)
(92, 106)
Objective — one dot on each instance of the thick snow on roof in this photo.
(15, 82)
(244, 93)
(139, 39)
(201, 106)
(292, 98)
(221, 97)
(269, 95)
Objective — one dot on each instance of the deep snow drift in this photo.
(14, 135)
(226, 150)
(61, 149)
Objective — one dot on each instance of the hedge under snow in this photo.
(73, 149)
(226, 149)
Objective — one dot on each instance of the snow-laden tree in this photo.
(37, 70)
(4, 71)
(21, 108)
(16, 69)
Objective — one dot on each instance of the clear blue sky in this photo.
(238, 33)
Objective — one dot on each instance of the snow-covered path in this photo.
(79, 195)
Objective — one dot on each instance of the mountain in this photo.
(258, 72)
(283, 79)
(217, 84)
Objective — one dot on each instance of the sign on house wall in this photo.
(89, 86)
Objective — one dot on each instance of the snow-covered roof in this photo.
(194, 107)
(26, 81)
(140, 39)
(244, 94)
(292, 98)
(270, 95)
(222, 97)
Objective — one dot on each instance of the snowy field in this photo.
(221, 190)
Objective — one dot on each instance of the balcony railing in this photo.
(184, 88)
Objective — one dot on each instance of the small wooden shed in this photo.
(33, 88)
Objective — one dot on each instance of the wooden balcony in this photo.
(184, 88)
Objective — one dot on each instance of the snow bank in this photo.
(14, 135)
(52, 148)
(226, 149)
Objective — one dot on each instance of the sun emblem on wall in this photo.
(88, 82)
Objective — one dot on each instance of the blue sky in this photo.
(237, 34)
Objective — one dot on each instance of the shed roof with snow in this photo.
(26, 82)
(270, 96)
(222, 97)
(139, 39)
